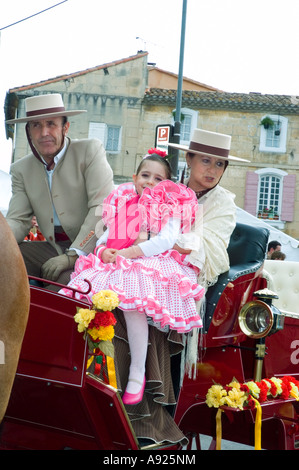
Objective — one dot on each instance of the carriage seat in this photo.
(283, 279)
(246, 251)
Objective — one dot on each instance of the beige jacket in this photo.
(80, 182)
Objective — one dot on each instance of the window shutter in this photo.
(288, 198)
(251, 190)
(97, 130)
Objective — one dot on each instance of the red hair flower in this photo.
(156, 151)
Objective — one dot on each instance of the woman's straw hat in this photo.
(209, 143)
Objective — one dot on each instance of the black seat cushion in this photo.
(246, 251)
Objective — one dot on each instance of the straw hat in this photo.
(43, 107)
(209, 143)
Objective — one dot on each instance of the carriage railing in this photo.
(42, 281)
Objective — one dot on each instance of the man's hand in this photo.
(52, 268)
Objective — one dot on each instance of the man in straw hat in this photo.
(61, 182)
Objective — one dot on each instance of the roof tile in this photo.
(222, 100)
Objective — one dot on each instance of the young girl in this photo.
(135, 259)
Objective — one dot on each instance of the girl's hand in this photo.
(132, 252)
(109, 255)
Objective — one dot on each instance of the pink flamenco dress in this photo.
(163, 286)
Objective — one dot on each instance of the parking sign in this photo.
(163, 136)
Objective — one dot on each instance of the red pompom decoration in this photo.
(159, 152)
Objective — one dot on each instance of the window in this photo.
(273, 138)
(109, 135)
(186, 127)
(188, 124)
(113, 138)
(270, 194)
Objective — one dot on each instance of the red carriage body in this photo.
(56, 404)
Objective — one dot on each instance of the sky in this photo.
(236, 46)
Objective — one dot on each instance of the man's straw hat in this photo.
(45, 107)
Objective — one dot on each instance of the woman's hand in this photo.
(181, 250)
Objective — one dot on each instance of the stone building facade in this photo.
(111, 94)
(268, 185)
(127, 99)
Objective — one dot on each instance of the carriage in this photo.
(56, 403)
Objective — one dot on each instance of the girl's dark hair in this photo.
(156, 158)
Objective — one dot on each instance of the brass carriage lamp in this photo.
(258, 319)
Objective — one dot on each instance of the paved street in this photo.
(225, 445)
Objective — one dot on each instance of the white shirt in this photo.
(50, 175)
(163, 241)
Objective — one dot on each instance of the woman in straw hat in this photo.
(61, 183)
(207, 157)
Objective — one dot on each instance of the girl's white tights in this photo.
(137, 331)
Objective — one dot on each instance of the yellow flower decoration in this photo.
(103, 333)
(97, 326)
(294, 391)
(278, 383)
(105, 300)
(235, 398)
(235, 384)
(254, 389)
(215, 396)
(250, 394)
(83, 317)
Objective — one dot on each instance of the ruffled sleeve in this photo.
(116, 200)
(168, 200)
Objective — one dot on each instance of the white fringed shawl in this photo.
(208, 240)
